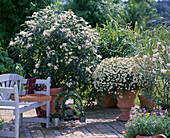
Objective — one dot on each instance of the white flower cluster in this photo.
(115, 73)
(57, 41)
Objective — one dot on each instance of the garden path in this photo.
(100, 123)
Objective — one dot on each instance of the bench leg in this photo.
(17, 125)
(48, 114)
(21, 119)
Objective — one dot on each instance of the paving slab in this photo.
(100, 123)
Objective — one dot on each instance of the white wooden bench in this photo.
(13, 83)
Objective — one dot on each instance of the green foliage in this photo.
(95, 11)
(141, 11)
(65, 96)
(60, 46)
(1, 124)
(7, 65)
(115, 40)
(145, 125)
(13, 14)
(5, 62)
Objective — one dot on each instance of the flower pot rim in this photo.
(144, 95)
(138, 136)
(162, 135)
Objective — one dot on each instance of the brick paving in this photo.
(100, 123)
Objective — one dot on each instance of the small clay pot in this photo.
(146, 103)
(56, 121)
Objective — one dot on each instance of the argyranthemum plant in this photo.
(62, 46)
(116, 73)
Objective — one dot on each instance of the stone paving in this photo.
(100, 123)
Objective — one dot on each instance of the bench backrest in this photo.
(39, 81)
(9, 80)
(9, 90)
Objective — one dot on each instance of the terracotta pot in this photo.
(41, 111)
(125, 103)
(146, 103)
(53, 94)
(157, 136)
(107, 101)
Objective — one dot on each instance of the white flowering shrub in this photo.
(62, 46)
(116, 73)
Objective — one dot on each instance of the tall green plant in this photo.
(141, 11)
(115, 40)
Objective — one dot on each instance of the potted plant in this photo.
(70, 112)
(146, 99)
(146, 102)
(104, 83)
(116, 75)
(55, 120)
(147, 125)
(62, 46)
(154, 65)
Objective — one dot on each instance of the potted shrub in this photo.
(152, 58)
(147, 125)
(154, 65)
(115, 75)
(62, 46)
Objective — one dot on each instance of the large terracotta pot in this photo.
(146, 103)
(125, 103)
(53, 94)
(107, 101)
